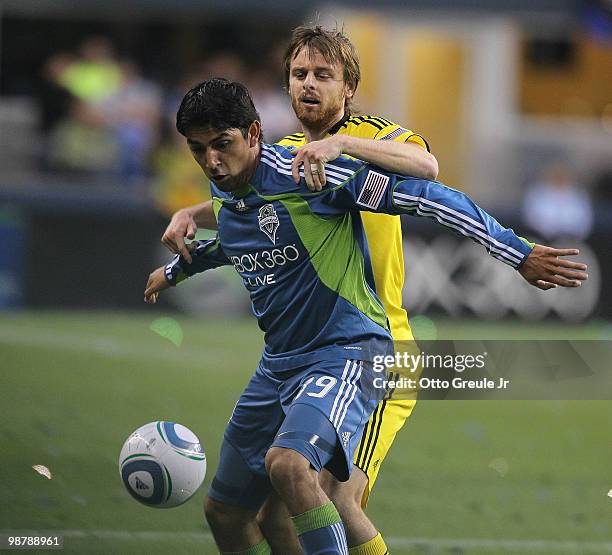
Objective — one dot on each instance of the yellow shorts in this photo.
(378, 436)
(386, 420)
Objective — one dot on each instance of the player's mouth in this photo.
(219, 177)
(309, 101)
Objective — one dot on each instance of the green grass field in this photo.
(463, 477)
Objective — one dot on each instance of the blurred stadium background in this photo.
(515, 99)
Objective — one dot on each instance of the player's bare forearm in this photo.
(544, 268)
(403, 158)
(185, 223)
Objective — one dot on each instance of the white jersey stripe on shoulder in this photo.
(329, 172)
(342, 171)
(284, 171)
(274, 165)
(338, 172)
(345, 173)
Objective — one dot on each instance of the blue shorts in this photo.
(319, 411)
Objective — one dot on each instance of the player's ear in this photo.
(254, 133)
(348, 91)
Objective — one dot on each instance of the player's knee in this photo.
(222, 517)
(285, 466)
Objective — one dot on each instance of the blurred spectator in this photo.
(266, 85)
(223, 64)
(82, 143)
(556, 206)
(54, 98)
(273, 106)
(179, 181)
(101, 117)
(95, 75)
(133, 112)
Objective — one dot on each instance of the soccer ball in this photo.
(162, 464)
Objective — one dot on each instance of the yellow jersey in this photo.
(383, 232)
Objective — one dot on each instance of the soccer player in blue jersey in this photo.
(305, 262)
(322, 74)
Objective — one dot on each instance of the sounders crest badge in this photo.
(268, 221)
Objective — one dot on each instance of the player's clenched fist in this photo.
(156, 283)
(545, 270)
(313, 157)
(182, 225)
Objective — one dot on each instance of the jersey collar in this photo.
(336, 127)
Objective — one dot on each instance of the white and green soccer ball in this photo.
(162, 464)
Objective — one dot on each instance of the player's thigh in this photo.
(241, 478)
(379, 434)
(329, 406)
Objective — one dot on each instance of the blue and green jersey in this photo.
(304, 258)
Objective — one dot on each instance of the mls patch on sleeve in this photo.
(373, 189)
(394, 134)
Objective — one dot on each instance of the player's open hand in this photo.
(181, 225)
(545, 269)
(156, 283)
(313, 157)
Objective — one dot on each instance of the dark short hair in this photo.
(216, 104)
(335, 47)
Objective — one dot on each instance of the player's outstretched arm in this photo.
(407, 158)
(371, 189)
(544, 268)
(184, 224)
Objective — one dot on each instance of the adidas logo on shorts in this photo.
(345, 438)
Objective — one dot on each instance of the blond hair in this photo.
(334, 46)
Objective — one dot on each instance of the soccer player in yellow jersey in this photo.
(321, 74)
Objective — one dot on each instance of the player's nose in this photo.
(309, 81)
(212, 160)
